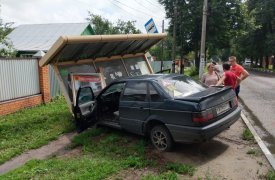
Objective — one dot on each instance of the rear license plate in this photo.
(223, 108)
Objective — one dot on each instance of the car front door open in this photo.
(85, 108)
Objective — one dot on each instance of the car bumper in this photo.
(186, 134)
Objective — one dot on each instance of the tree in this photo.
(167, 49)
(6, 49)
(224, 22)
(258, 40)
(104, 26)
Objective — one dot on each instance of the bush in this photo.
(193, 71)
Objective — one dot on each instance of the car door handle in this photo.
(141, 108)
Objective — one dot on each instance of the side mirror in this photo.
(84, 95)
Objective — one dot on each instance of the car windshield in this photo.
(181, 86)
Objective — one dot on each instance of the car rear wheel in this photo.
(161, 138)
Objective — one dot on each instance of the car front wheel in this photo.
(161, 138)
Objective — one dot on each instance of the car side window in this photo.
(85, 95)
(135, 91)
(115, 88)
(154, 95)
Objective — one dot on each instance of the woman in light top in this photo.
(211, 77)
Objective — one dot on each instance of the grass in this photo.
(263, 69)
(181, 168)
(163, 176)
(31, 128)
(254, 152)
(171, 170)
(87, 167)
(247, 135)
(270, 175)
(104, 153)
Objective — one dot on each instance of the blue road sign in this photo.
(151, 27)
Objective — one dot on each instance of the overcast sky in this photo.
(67, 11)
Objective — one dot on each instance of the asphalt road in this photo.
(258, 95)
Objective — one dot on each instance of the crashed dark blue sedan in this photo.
(166, 108)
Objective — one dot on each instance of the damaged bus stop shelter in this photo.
(97, 60)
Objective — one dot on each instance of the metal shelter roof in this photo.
(35, 37)
(75, 48)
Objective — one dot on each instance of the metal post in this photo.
(162, 52)
(203, 34)
(174, 39)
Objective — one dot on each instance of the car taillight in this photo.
(203, 116)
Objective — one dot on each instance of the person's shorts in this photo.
(237, 91)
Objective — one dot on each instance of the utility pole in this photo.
(203, 37)
(162, 52)
(174, 39)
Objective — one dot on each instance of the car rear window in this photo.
(181, 86)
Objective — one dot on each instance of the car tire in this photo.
(161, 138)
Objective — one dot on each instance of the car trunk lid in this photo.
(214, 103)
(211, 97)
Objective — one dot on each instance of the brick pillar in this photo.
(44, 83)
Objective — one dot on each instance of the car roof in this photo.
(148, 77)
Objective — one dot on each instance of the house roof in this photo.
(90, 48)
(39, 54)
(35, 37)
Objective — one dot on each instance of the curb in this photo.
(261, 71)
(263, 147)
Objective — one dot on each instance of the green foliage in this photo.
(247, 135)
(254, 152)
(167, 49)
(110, 145)
(270, 175)
(225, 21)
(31, 128)
(87, 167)
(104, 153)
(193, 71)
(258, 38)
(104, 26)
(7, 48)
(181, 168)
(234, 27)
(163, 176)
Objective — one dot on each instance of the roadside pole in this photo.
(203, 37)
(174, 39)
(162, 52)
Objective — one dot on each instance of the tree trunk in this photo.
(266, 62)
(261, 61)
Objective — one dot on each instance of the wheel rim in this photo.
(160, 140)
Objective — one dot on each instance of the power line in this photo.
(139, 3)
(153, 4)
(138, 22)
(148, 8)
(129, 12)
(123, 9)
(135, 9)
